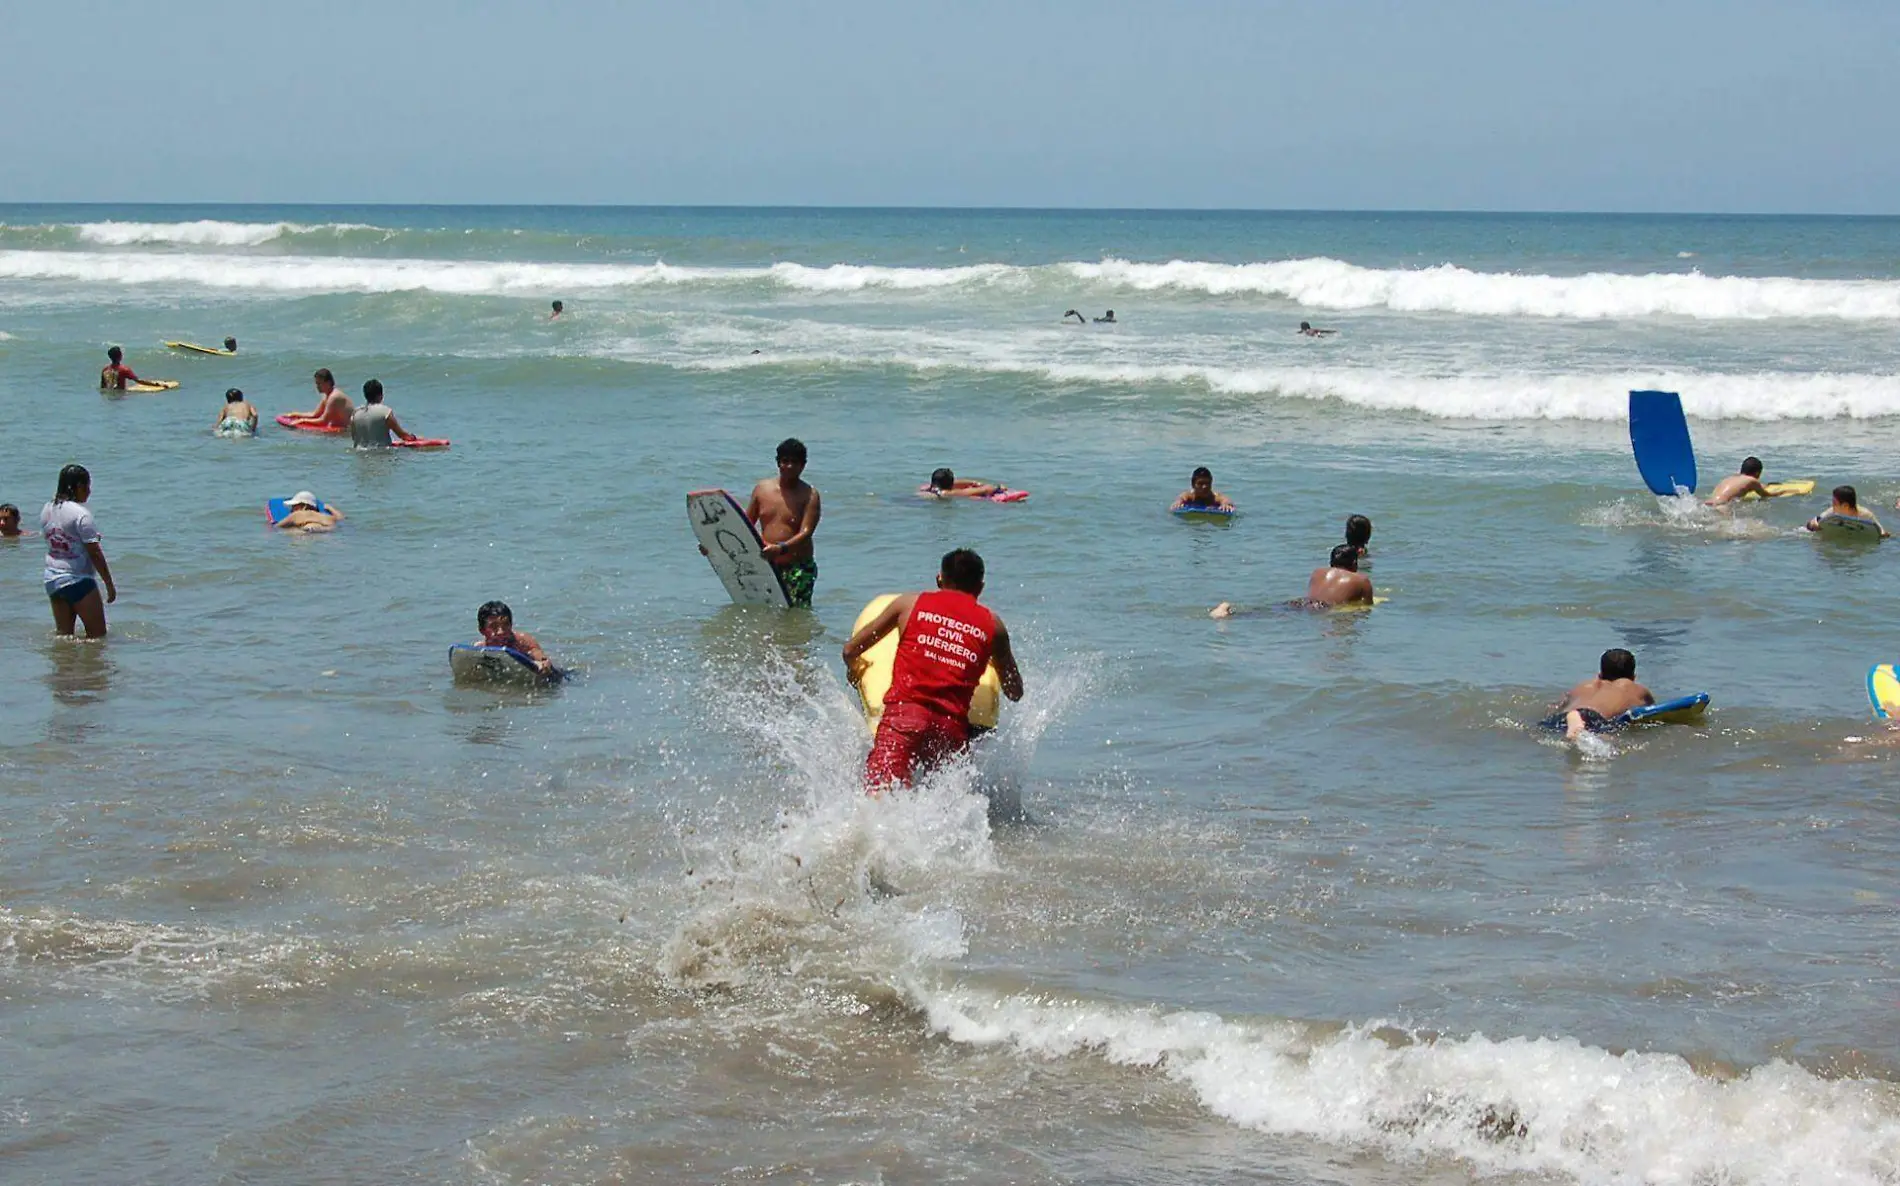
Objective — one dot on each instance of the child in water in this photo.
(497, 624)
(1359, 532)
(10, 521)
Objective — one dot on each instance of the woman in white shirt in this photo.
(74, 563)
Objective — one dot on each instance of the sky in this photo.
(1668, 105)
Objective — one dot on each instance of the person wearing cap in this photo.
(307, 514)
(238, 418)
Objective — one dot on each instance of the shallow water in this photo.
(1298, 897)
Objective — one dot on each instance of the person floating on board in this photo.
(1359, 534)
(231, 345)
(372, 425)
(10, 522)
(944, 483)
(1847, 506)
(1107, 318)
(1746, 481)
(785, 510)
(1593, 705)
(497, 625)
(116, 376)
(1075, 313)
(74, 562)
(1201, 495)
(308, 515)
(333, 407)
(237, 417)
(1307, 330)
(557, 311)
(945, 641)
(1339, 583)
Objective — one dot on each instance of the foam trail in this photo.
(204, 232)
(1518, 1106)
(1323, 283)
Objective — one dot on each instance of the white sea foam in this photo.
(1318, 283)
(1521, 1105)
(1334, 284)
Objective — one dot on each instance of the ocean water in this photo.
(1292, 897)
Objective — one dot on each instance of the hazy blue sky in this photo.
(1687, 105)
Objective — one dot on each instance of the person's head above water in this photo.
(494, 613)
(1358, 530)
(373, 391)
(1847, 497)
(325, 380)
(961, 570)
(1306, 325)
(75, 483)
(115, 354)
(1751, 467)
(791, 457)
(231, 345)
(943, 479)
(303, 498)
(1344, 556)
(234, 396)
(558, 306)
(1616, 663)
(9, 518)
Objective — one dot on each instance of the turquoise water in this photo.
(1291, 897)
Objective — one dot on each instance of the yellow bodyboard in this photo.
(1883, 688)
(1780, 489)
(876, 680)
(153, 385)
(193, 346)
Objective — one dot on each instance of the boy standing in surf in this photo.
(116, 375)
(945, 641)
(785, 510)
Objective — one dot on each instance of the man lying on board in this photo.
(1748, 481)
(1847, 506)
(1339, 583)
(944, 483)
(1593, 705)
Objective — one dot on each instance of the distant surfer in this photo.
(1847, 506)
(944, 483)
(1075, 313)
(785, 510)
(374, 424)
(237, 418)
(497, 625)
(1593, 705)
(1107, 318)
(1747, 481)
(230, 344)
(1201, 495)
(1359, 534)
(945, 641)
(75, 565)
(333, 407)
(1307, 330)
(10, 521)
(116, 376)
(1339, 583)
(308, 515)
(558, 308)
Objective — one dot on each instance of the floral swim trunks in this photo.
(800, 577)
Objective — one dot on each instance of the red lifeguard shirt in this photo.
(942, 653)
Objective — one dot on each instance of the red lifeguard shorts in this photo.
(910, 739)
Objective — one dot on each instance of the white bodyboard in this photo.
(734, 548)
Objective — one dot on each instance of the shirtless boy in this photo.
(1339, 583)
(1201, 494)
(944, 483)
(497, 624)
(785, 510)
(1847, 505)
(1747, 481)
(1593, 705)
(10, 521)
(333, 408)
(237, 417)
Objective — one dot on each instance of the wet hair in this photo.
(1306, 325)
(114, 353)
(7, 509)
(1345, 556)
(963, 570)
(490, 611)
(373, 391)
(1751, 467)
(71, 479)
(792, 449)
(942, 479)
(230, 344)
(233, 396)
(1847, 495)
(1358, 530)
(1200, 471)
(1616, 663)
(557, 306)
(323, 375)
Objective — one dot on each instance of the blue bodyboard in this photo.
(497, 665)
(1681, 710)
(1659, 436)
(276, 510)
